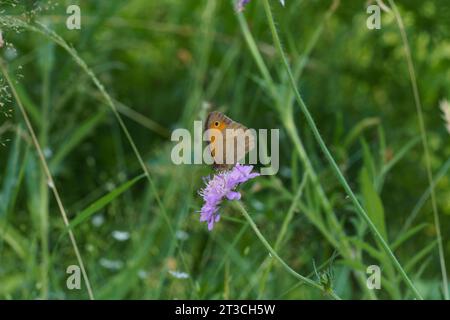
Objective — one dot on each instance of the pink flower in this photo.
(221, 186)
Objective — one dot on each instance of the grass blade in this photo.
(423, 133)
(102, 202)
(49, 176)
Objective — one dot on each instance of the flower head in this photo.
(220, 186)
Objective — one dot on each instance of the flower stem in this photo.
(287, 120)
(329, 157)
(274, 254)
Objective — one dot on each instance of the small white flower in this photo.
(121, 235)
(48, 153)
(110, 186)
(111, 264)
(181, 235)
(142, 274)
(258, 205)
(179, 275)
(98, 220)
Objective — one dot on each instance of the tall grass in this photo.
(284, 106)
(423, 134)
(101, 128)
(330, 158)
(49, 183)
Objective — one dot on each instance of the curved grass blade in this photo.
(102, 202)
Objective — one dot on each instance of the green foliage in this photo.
(102, 98)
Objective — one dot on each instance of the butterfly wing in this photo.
(219, 121)
(241, 139)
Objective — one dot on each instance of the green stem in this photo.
(359, 209)
(274, 254)
(283, 231)
(44, 194)
(423, 134)
(287, 119)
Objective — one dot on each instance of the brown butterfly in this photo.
(242, 141)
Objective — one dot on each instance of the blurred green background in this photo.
(161, 62)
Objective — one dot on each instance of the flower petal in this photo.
(210, 224)
(233, 195)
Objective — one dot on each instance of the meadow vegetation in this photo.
(86, 176)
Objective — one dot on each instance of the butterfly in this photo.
(242, 140)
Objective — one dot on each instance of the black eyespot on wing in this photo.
(216, 123)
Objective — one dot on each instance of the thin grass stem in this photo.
(423, 134)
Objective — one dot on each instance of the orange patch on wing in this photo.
(222, 126)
